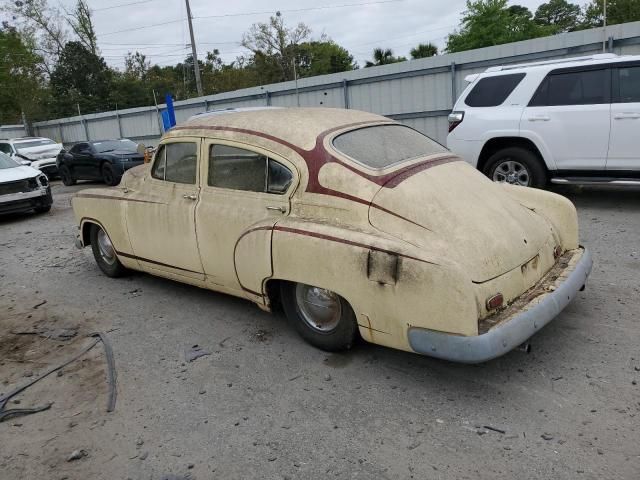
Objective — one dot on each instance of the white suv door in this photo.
(624, 144)
(570, 115)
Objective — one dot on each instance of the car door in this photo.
(161, 212)
(82, 165)
(569, 115)
(245, 191)
(624, 143)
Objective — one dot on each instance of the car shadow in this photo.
(622, 198)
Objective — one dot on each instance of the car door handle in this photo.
(190, 197)
(539, 118)
(279, 209)
(626, 116)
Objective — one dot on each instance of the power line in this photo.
(121, 5)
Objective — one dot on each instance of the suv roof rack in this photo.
(597, 56)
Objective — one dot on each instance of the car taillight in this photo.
(495, 301)
(455, 119)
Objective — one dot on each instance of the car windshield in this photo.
(381, 146)
(7, 162)
(41, 142)
(113, 145)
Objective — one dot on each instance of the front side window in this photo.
(628, 85)
(572, 88)
(176, 162)
(240, 169)
(5, 148)
(381, 146)
(493, 91)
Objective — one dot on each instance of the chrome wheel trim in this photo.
(512, 172)
(320, 309)
(105, 248)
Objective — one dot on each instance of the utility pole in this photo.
(196, 66)
(604, 27)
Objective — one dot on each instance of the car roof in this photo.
(27, 139)
(596, 59)
(297, 126)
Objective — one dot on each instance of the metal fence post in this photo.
(454, 88)
(61, 132)
(267, 96)
(610, 44)
(345, 92)
(119, 124)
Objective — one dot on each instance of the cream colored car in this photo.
(356, 224)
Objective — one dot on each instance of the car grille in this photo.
(18, 186)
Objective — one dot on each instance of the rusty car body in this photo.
(356, 223)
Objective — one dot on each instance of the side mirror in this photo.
(25, 162)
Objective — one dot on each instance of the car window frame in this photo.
(474, 85)
(565, 70)
(615, 80)
(204, 179)
(162, 147)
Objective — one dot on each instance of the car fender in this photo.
(540, 144)
(390, 284)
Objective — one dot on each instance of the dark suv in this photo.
(106, 160)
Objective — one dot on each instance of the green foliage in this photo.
(492, 22)
(383, 57)
(558, 16)
(322, 57)
(21, 77)
(618, 11)
(424, 50)
(80, 78)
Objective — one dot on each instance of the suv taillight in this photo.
(455, 119)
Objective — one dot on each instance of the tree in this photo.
(424, 50)
(558, 16)
(492, 22)
(383, 57)
(80, 78)
(44, 25)
(21, 77)
(618, 11)
(136, 65)
(322, 57)
(82, 25)
(275, 45)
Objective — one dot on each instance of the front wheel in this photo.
(109, 176)
(105, 253)
(320, 316)
(66, 176)
(517, 166)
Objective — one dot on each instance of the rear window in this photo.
(381, 146)
(493, 91)
(628, 84)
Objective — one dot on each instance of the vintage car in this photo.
(354, 223)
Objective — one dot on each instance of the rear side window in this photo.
(239, 169)
(493, 91)
(572, 88)
(628, 84)
(381, 146)
(176, 162)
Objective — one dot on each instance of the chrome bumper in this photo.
(508, 335)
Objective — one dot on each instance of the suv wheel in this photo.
(517, 166)
(109, 176)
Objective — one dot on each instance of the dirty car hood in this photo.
(457, 214)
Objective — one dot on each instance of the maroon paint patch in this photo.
(235, 267)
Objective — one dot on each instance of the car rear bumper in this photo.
(513, 332)
(20, 202)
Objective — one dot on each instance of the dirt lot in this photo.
(266, 405)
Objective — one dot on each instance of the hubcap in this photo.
(106, 248)
(512, 172)
(319, 308)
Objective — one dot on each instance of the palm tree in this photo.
(383, 57)
(424, 50)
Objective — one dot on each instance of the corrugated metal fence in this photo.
(419, 93)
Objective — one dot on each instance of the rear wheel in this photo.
(105, 253)
(66, 176)
(109, 176)
(517, 166)
(320, 316)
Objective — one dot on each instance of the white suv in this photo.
(569, 121)
(37, 152)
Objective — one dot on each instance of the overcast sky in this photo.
(358, 25)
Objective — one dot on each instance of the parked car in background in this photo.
(38, 152)
(355, 223)
(568, 121)
(22, 187)
(106, 160)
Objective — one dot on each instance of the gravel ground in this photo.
(264, 404)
